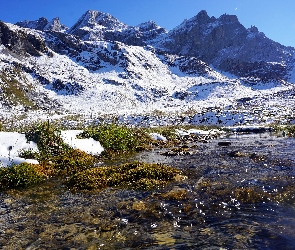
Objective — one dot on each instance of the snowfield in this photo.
(88, 145)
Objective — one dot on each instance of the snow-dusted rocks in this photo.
(225, 43)
(95, 25)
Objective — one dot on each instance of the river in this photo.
(239, 196)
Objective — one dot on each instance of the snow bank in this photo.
(11, 144)
(88, 145)
(158, 137)
(198, 132)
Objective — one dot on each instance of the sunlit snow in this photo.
(12, 143)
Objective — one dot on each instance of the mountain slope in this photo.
(142, 74)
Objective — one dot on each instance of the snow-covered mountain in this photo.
(226, 44)
(43, 24)
(206, 70)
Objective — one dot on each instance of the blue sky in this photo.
(276, 18)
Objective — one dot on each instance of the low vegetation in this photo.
(21, 175)
(56, 158)
(12, 90)
(134, 175)
(117, 139)
(288, 130)
(63, 159)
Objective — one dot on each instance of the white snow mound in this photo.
(11, 144)
(88, 145)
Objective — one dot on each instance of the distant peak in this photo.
(37, 24)
(253, 29)
(202, 14)
(228, 18)
(148, 25)
(55, 25)
(202, 17)
(97, 17)
(92, 18)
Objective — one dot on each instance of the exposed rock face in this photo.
(20, 42)
(55, 25)
(43, 24)
(94, 25)
(141, 34)
(229, 46)
(36, 25)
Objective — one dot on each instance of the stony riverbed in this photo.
(238, 194)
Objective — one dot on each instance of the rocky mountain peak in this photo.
(94, 19)
(37, 24)
(55, 25)
(149, 25)
(253, 29)
(225, 18)
(202, 17)
(94, 25)
(227, 45)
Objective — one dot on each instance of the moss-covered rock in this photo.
(134, 175)
(72, 161)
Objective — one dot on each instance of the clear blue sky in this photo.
(276, 18)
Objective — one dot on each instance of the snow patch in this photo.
(88, 145)
(158, 137)
(11, 144)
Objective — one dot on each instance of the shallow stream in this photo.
(240, 196)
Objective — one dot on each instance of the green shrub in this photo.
(116, 139)
(53, 152)
(21, 175)
(131, 175)
(28, 154)
(291, 130)
(48, 140)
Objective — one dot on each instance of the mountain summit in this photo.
(226, 44)
(94, 25)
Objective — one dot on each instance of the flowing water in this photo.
(240, 196)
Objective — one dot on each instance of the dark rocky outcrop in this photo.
(21, 42)
(43, 24)
(55, 25)
(39, 24)
(226, 44)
